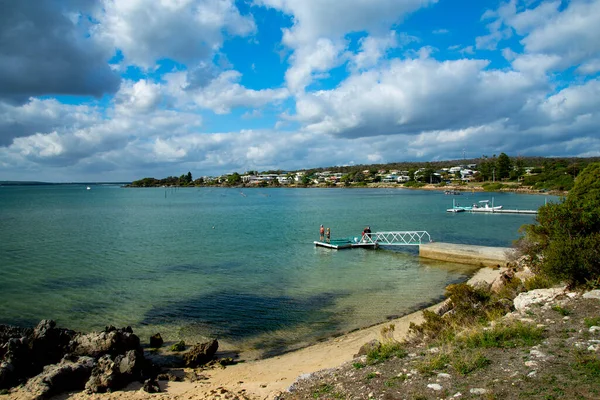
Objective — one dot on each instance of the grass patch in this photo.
(385, 352)
(503, 336)
(359, 365)
(395, 380)
(588, 363)
(594, 321)
(371, 375)
(538, 281)
(562, 311)
(326, 389)
(436, 362)
(466, 362)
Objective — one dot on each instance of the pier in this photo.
(376, 239)
(457, 253)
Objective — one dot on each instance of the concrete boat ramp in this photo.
(467, 254)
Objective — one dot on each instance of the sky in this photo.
(118, 90)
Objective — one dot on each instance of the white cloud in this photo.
(138, 97)
(184, 30)
(411, 96)
(221, 94)
(568, 37)
(320, 25)
(373, 49)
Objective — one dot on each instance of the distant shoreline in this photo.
(429, 187)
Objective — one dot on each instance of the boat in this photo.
(484, 206)
(88, 188)
(452, 192)
(456, 208)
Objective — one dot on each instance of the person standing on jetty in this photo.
(321, 233)
(328, 235)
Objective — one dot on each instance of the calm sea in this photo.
(239, 265)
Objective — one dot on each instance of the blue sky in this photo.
(116, 90)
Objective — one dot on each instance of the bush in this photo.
(567, 233)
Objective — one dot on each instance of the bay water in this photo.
(236, 264)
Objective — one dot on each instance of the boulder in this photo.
(151, 386)
(110, 341)
(16, 364)
(111, 374)
(156, 340)
(48, 343)
(538, 296)
(201, 353)
(592, 294)
(443, 308)
(68, 374)
(525, 274)
(368, 347)
(502, 280)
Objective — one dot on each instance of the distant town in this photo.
(493, 173)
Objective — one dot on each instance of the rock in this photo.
(179, 346)
(482, 285)
(368, 347)
(525, 274)
(594, 329)
(110, 374)
(48, 343)
(478, 391)
(538, 296)
(12, 332)
(168, 376)
(593, 294)
(110, 341)
(156, 340)
(104, 376)
(151, 386)
(201, 353)
(502, 280)
(434, 386)
(444, 307)
(443, 375)
(67, 375)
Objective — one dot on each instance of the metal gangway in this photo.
(398, 238)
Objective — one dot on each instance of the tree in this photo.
(567, 234)
(503, 166)
(234, 179)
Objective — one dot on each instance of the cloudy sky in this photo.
(116, 90)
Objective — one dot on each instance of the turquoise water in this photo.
(241, 266)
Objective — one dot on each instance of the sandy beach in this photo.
(264, 379)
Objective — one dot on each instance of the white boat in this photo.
(88, 188)
(484, 206)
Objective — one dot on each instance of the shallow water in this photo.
(236, 264)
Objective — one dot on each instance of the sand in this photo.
(264, 379)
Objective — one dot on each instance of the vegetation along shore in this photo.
(501, 173)
(529, 329)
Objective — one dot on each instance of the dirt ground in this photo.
(564, 365)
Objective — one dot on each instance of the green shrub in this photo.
(385, 352)
(538, 281)
(567, 234)
(503, 336)
(492, 187)
(562, 311)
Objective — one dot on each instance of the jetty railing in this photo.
(398, 238)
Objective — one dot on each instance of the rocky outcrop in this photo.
(111, 341)
(200, 354)
(50, 360)
(68, 374)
